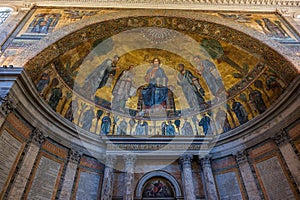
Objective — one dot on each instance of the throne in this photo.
(155, 101)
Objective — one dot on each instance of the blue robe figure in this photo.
(105, 126)
(156, 93)
(88, 119)
(205, 122)
(45, 79)
(170, 129)
(139, 129)
(145, 126)
(240, 112)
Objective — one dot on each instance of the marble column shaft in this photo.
(108, 179)
(209, 181)
(21, 179)
(186, 164)
(66, 191)
(129, 176)
(289, 155)
(247, 175)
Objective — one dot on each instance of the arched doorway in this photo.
(158, 185)
(158, 188)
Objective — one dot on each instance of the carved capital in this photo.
(281, 138)
(8, 105)
(74, 156)
(38, 137)
(186, 160)
(241, 156)
(205, 161)
(129, 159)
(110, 160)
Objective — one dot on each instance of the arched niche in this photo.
(155, 176)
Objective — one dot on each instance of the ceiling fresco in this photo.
(159, 76)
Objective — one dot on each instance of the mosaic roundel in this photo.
(157, 76)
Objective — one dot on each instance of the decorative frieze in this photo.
(154, 147)
(287, 3)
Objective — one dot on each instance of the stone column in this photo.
(248, 178)
(74, 158)
(129, 176)
(282, 141)
(108, 179)
(209, 181)
(188, 184)
(18, 186)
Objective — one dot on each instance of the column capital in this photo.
(75, 156)
(186, 160)
(281, 137)
(129, 159)
(205, 161)
(8, 105)
(110, 160)
(241, 156)
(38, 137)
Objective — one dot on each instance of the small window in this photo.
(4, 13)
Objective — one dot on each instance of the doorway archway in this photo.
(158, 185)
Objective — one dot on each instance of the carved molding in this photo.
(38, 137)
(241, 156)
(281, 137)
(154, 147)
(287, 3)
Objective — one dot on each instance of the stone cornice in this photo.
(266, 5)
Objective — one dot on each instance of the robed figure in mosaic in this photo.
(156, 93)
(99, 77)
(191, 88)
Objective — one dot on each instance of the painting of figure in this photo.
(158, 188)
(99, 76)
(123, 89)
(156, 92)
(191, 88)
(43, 23)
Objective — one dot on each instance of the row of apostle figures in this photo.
(212, 122)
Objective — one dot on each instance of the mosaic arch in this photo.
(211, 78)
